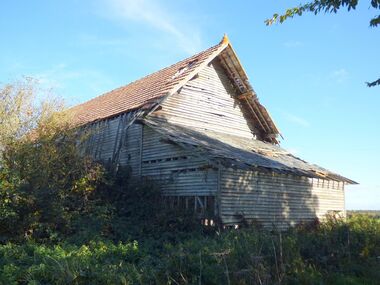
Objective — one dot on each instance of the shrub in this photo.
(65, 219)
(245, 256)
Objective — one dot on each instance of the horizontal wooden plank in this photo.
(207, 102)
(279, 200)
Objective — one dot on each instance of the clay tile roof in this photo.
(139, 92)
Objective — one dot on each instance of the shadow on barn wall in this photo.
(185, 162)
(246, 192)
(267, 198)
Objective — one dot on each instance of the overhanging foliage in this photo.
(327, 6)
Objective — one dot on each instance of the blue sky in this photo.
(309, 72)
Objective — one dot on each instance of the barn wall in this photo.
(111, 140)
(131, 150)
(206, 102)
(281, 200)
(178, 171)
(147, 153)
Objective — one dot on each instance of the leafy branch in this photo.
(327, 6)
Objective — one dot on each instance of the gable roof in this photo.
(152, 89)
(238, 152)
(141, 91)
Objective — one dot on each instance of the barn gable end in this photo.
(208, 101)
(198, 130)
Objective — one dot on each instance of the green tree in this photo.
(50, 191)
(23, 107)
(327, 6)
(44, 180)
(16, 110)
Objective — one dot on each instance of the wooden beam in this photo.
(262, 117)
(246, 95)
(254, 113)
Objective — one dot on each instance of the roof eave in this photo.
(231, 60)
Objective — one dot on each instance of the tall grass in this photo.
(335, 252)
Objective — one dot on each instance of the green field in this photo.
(372, 213)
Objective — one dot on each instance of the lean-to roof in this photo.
(238, 152)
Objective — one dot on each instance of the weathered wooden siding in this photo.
(279, 200)
(131, 151)
(177, 170)
(112, 141)
(207, 102)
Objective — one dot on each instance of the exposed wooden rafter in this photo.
(247, 96)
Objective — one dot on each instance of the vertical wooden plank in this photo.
(116, 138)
(218, 194)
(141, 149)
(344, 200)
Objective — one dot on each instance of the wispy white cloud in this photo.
(53, 77)
(62, 79)
(106, 45)
(293, 44)
(88, 40)
(296, 120)
(339, 75)
(154, 14)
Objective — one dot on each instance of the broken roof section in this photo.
(238, 152)
(151, 90)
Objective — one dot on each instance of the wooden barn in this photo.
(199, 130)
